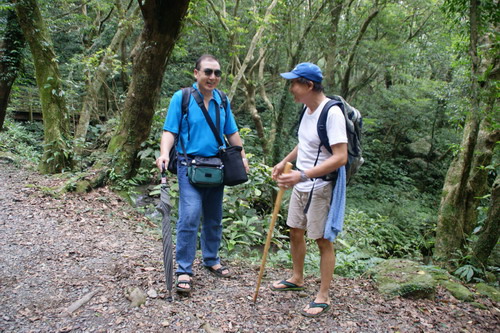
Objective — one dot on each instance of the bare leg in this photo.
(298, 251)
(327, 267)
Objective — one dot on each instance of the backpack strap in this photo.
(321, 127)
(323, 137)
(322, 133)
(223, 98)
(188, 91)
(186, 96)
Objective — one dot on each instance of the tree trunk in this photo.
(162, 23)
(490, 233)
(331, 66)
(466, 178)
(95, 83)
(123, 74)
(10, 61)
(250, 93)
(488, 140)
(57, 154)
(457, 192)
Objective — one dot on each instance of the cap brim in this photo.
(289, 75)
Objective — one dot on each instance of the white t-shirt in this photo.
(309, 141)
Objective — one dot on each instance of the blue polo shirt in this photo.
(198, 138)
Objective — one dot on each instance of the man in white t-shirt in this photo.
(307, 89)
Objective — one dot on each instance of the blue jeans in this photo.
(195, 202)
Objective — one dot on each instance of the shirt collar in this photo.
(214, 95)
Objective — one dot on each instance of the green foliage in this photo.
(457, 12)
(464, 265)
(247, 210)
(402, 206)
(58, 155)
(24, 140)
(241, 234)
(378, 236)
(352, 261)
(467, 272)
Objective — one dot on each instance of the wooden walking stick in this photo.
(277, 205)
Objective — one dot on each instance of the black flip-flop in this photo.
(289, 286)
(182, 290)
(324, 306)
(218, 272)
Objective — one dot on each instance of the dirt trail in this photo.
(54, 251)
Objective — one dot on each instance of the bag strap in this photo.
(224, 103)
(215, 130)
(186, 95)
(309, 199)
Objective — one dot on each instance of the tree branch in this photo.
(413, 35)
(256, 38)
(352, 54)
(219, 15)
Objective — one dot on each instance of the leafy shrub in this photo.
(25, 140)
(467, 272)
(352, 261)
(243, 233)
(247, 209)
(378, 236)
(410, 213)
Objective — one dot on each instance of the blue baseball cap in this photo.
(306, 70)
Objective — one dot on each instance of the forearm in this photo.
(166, 143)
(328, 166)
(338, 159)
(292, 156)
(235, 140)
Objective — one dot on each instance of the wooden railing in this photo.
(27, 115)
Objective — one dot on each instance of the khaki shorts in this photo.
(315, 219)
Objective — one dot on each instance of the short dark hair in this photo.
(317, 86)
(204, 57)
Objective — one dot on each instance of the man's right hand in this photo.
(161, 161)
(278, 170)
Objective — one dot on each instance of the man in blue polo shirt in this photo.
(198, 140)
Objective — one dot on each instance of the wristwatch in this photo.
(303, 176)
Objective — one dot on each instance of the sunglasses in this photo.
(209, 71)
